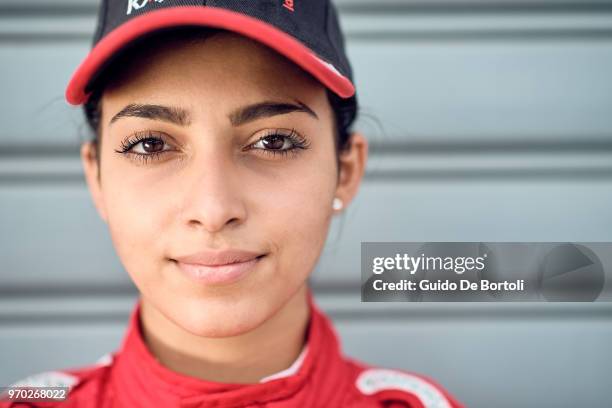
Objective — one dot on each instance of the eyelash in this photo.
(136, 138)
(296, 140)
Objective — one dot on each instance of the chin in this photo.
(218, 317)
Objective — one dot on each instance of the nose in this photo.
(212, 194)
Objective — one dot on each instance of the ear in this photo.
(353, 161)
(91, 169)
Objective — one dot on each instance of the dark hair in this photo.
(345, 110)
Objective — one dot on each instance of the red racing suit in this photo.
(321, 378)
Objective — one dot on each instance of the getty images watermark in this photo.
(486, 271)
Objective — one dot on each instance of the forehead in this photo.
(223, 64)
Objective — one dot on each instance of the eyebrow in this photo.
(266, 109)
(170, 114)
(240, 116)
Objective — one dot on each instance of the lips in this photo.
(218, 267)
(215, 258)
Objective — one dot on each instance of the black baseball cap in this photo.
(306, 32)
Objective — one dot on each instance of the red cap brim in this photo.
(216, 17)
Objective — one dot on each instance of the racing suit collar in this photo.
(140, 380)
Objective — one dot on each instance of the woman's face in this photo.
(205, 180)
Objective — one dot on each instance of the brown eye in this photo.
(152, 145)
(275, 142)
(149, 145)
(145, 146)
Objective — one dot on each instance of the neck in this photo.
(245, 358)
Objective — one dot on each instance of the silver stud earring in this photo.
(337, 204)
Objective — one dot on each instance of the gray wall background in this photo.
(494, 124)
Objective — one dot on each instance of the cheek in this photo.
(299, 224)
(136, 217)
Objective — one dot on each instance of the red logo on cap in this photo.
(288, 4)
